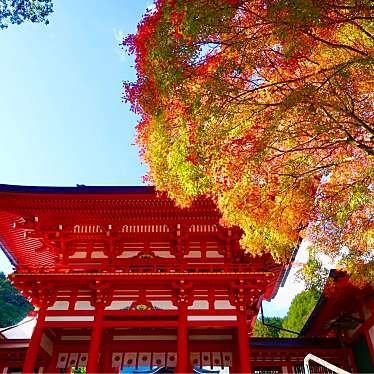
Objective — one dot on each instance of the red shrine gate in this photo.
(123, 277)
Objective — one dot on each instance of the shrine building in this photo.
(122, 279)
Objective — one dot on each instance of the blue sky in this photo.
(62, 118)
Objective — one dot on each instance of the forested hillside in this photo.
(13, 306)
(263, 331)
(301, 308)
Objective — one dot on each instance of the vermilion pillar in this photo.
(32, 351)
(97, 331)
(243, 342)
(106, 359)
(51, 367)
(235, 368)
(182, 348)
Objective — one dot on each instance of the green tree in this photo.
(19, 11)
(79, 371)
(13, 306)
(301, 308)
(263, 331)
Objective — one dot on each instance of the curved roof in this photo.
(25, 208)
(32, 216)
(78, 189)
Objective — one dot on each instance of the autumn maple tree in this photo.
(267, 108)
